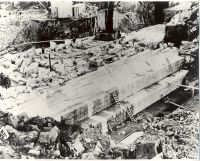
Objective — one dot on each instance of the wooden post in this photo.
(50, 62)
(43, 50)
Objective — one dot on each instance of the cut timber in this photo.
(140, 100)
(89, 91)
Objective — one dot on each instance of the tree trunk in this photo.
(12, 5)
(109, 22)
(158, 13)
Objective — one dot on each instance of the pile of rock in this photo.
(183, 26)
(38, 137)
(175, 135)
(66, 62)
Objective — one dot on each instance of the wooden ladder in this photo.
(130, 113)
(116, 98)
(111, 130)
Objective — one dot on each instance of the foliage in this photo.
(146, 10)
(36, 4)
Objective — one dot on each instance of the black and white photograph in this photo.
(99, 80)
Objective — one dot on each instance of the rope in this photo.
(179, 106)
(183, 85)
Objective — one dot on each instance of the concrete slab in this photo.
(129, 75)
(140, 100)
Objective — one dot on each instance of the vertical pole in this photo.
(192, 92)
(50, 62)
(43, 50)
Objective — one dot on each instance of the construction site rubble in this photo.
(71, 88)
(171, 134)
(175, 134)
(31, 68)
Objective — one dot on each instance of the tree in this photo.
(152, 12)
(146, 10)
(158, 12)
(109, 17)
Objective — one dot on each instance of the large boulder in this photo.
(53, 45)
(23, 117)
(32, 69)
(44, 63)
(34, 152)
(19, 62)
(26, 62)
(78, 145)
(49, 137)
(2, 114)
(21, 138)
(38, 51)
(145, 151)
(82, 71)
(68, 62)
(13, 120)
(31, 81)
(116, 49)
(60, 69)
(60, 47)
(95, 50)
(6, 64)
(7, 152)
(42, 72)
(98, 148)
(88, 156)
(54, 132)
(82, 63)
(13, 67)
